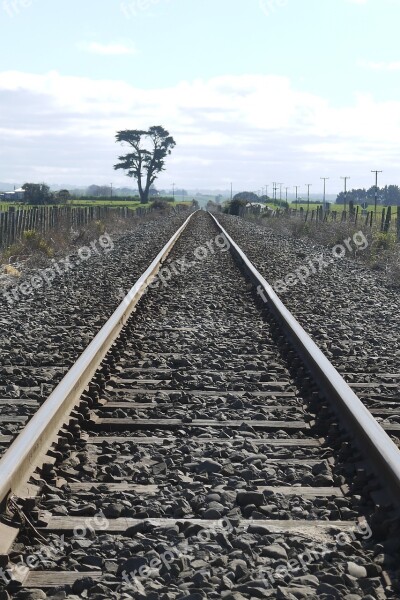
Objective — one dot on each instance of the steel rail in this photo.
(382, 454)
(29, 448)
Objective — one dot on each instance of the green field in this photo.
(131, 204)
(335, 207)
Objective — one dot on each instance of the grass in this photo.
(131, 204)
(381, 254)
(337, 207)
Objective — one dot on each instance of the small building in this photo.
(17, 195)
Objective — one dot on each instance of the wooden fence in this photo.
(46, 218)
(386, 222)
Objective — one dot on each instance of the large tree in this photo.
(147, 158)
(37, 193)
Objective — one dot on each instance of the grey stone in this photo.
(355, 570)
(132, 565)
(211, 514)
(209, 466)
(275, 551)
(246, 498)
(329, 590)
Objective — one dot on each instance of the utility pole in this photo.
(308, 195)
(274, 188)
(323, 202)
(280, 191)
(345, 191)
(266, 190)
(173, 191)
(297, 202)
(286, 189)
(376, 191)
(231, 191)
(111, 190)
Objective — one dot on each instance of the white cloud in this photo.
(248, 128)
(107, 49)
(380, 65)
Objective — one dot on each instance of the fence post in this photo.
(11, 224)
(383, 219)
(2, 230)
(388, 219)
(398, 224)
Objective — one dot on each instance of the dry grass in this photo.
(10, 270)
(35, 249)
(382, 253)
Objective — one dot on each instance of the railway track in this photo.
(202, 448)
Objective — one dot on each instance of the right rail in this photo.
(383, 454)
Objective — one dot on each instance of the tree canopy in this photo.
(147, 157)
(388, 195)
(37, 193)
(248, 196)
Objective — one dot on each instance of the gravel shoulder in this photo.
(219, 349)
(349, 310)
(44, 332)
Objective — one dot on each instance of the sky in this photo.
(253, 91)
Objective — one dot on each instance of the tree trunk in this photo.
(144, 198)
(143, 193)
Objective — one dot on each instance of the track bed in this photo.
(202, 460)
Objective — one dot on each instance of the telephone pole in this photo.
(297, 202)
(286, 189)
(323, 202)
(345, 191)
(280, 191)
(308, 195)
(274, 191)
(376, 191)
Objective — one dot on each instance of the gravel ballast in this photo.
(203, 332)
(43, 333)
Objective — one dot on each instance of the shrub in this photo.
(160, 205)
(32, 240)
(10, 270)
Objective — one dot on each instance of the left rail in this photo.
(28, 450)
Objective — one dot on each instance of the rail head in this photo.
(367, 433)
(29, 448)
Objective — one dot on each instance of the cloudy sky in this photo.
(253, 91)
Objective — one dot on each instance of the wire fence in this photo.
(387, 221)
